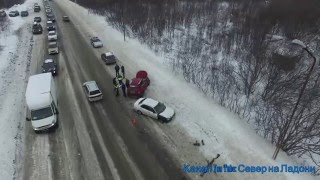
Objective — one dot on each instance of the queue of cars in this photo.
(137, 86)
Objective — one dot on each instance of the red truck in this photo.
(139, 84)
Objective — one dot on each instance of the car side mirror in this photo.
(28, 119)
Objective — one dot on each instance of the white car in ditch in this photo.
(52, 36)
(154, 109)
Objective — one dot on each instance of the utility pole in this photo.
(284, 132)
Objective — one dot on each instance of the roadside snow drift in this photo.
(15, 54)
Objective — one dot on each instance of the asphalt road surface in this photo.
(94, 140)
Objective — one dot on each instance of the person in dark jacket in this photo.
(117, 68)
(127, 83)
(122, 70)
(116, 86)
(123, 88)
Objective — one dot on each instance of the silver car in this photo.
(53, 48)
(96, 42)
(92, 91)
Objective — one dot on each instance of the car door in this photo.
(144, 84)
(103, 57)
(86, 91)
(148, 111)
(144, 109)
(153, 113)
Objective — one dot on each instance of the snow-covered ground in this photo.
(15, 56)
(201, 118)
(197, 115)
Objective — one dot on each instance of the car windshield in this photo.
(48, 65)
(49, 24)
(52, 45)
(52, 33)
(95, 40)
(95, 92)
(111, 57)
(41, 113)
(160, 107)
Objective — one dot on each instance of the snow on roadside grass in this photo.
(14, 61)
(222, 131)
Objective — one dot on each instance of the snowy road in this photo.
(94, 141)
(97, 140)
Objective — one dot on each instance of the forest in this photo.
(242, 53)
(9, 3)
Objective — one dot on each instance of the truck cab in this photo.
(42, 102)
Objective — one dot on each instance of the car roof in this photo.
(92, 85)
(150, 102)
(52, 43)
(48, 60)
(52, 31)
(108, 53)
(49, 21)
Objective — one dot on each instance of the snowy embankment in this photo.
(15, 56)
(222, 131)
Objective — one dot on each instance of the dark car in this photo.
(109, 58)
(50, 66)
(13, 13)
(3, 13)
(37, 19)
(36, 8)
(65, 19)
(51, 19)
(36, 28)
(139, 84)
(50, 14)
(50, 26)
(24, 13)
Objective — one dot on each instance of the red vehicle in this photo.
(139, 84)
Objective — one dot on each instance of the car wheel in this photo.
(139, 112)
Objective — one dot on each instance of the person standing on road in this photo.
(117, 68)
(122, 70)
(123, 88)
(127, 83)
(116, 86)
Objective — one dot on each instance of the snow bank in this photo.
(14, 59)
(222, 131)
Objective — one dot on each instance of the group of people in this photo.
(118, 81)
